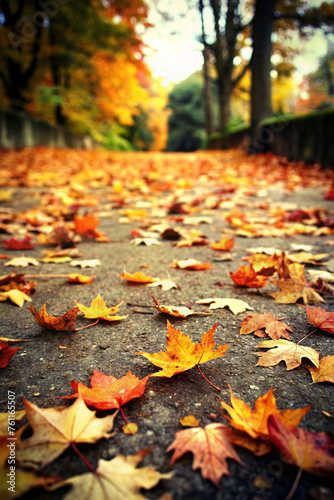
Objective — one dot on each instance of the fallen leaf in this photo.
(246, 276)
(80, 278)
(85, 263)
(325, 371)
(59, 323)
(130, 428)
(295, 287)
(57, 260)
(283, 350)
(236, 306)
(116, 479)
(55, 429)
(15, 296)
(180, 312)
(261, 262)
(310, 451)
(138, 277)
(22, 262)
(307, 258)
(86, 226)
(320, 318)
(210, 446)
(182, 354)
(258, 322)
(99, 310)
(145, 241)
(108, 392)
(189, 421)
(5, 417)
(165, 284)
(6, 353)
(191, 264)
(14, 244)
(225, 244)
(254, 422)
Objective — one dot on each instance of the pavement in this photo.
(146, 204)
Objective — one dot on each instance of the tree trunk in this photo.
(60, 118)
(261, 105)
(207, 87)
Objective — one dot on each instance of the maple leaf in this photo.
(210, 446)
(108, 392)
(55, 429)
(283, 350)
(267, 322)
(14, 244)
(192, 264)
(80, 278)
(179, 312)
(225, 244)
(99, 310)
(295, 287)
(4, 421)
(165, 284)
(116, 479)
(15, 296)
(310, 451)
(236, 306)
(57, 260)
(145, 241)
(6, 353)
(86, 263)
(254, 422)
(307, 258)
(182, 354)
(59, 323)
(22, 262)
(320, 318)
(325, 371)
(263, 264)
(86, 226)
(246, 276)
(138, 277)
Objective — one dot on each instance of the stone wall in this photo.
(19, 130)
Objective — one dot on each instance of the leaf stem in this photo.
(45, 275)
(87, 326)
(83, 458)
(307, 335)
(123, 415)
(295, 485)
(208, 381)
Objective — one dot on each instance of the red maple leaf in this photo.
(6, 353)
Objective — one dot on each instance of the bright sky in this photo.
(176, 56)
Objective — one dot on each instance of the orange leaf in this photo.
(189, 421)
(254, 422)
(138, 277)
(60, 323)
(108, 392)
(86, 226)
(80, 278)
(180, 312)
(284, 350)
(295, 287)
(182, 354)
(310, 451)
(225, 244)
(320, 318)
(99, 310)
(210, 446)
(246, 276)
(267, 322)
(192, 264)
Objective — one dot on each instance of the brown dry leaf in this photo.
(15, 296)
(59, 323)
(210, 446)
(283, 350)
(325, 371)
(307, 258)
(295, 287)
(55, 429)
(236, 306)
(179, 312)
(191, 264)
(22, 262)
(265, 324)
(116, 479)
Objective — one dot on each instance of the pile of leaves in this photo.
(162, 200)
